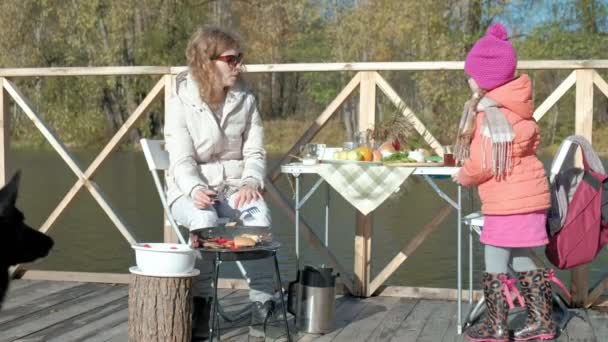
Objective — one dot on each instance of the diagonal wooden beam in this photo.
(83, 178)
(310, 236)
(597, 291)
(409, 248)
(104, 203)
(557, 94)
(408, 114)
(317, 124)
(42, 127)
(139, 112)
(600, 83)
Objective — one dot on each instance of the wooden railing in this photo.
(359, 282)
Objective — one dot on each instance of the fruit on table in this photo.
(386, 149)
(377, 156)
(353, 155)
(366, 153)
(341, 155)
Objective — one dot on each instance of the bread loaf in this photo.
(242, 241)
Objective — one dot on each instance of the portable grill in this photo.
(265, 248)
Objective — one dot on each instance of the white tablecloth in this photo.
(364, 186)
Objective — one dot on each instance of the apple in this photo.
(353, 155)
(377, 156)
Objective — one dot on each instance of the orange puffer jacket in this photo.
(525, 189)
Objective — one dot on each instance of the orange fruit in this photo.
(366, 153)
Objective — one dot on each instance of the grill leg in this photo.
(214, 312)
(283, 306)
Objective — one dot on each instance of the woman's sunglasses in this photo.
(231, 60)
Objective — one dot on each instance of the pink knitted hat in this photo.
(492, 60)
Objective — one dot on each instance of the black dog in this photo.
(19, 243)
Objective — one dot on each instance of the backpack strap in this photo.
(592, 181)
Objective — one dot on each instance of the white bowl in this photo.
(162, 258)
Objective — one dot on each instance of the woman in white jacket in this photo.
(214, 137)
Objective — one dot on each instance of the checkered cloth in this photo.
(364, 186)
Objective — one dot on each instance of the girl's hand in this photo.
(456, 177)
(246, 195)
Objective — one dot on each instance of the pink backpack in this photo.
(579, 231)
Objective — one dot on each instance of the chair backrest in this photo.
(158, 160)
(156, 155)
(565, 152)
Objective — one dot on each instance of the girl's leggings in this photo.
(498, 258)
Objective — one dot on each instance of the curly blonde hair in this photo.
(205, 45)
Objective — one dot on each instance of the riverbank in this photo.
(281, 134)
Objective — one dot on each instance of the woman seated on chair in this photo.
(214, 137)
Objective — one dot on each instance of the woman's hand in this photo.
(203, 198)
(246, 195)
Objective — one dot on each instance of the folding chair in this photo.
(158, 161)
(475, 223)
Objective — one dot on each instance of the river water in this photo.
(87, 241)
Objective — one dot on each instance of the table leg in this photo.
(297, 221)
(326, 215)
(459, 260)
(470, 264)
(283, 306)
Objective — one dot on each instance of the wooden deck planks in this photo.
(393, 319)
(368, 319)
(98, 313)
(36, 303)
(62, 311)
(438, 322)
(599, 322)
(87, 325)
(346, 314)
(33, 290)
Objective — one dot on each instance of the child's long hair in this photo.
(205, 45)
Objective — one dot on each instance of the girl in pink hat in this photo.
(496, 146)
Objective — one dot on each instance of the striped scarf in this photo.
(495, 131)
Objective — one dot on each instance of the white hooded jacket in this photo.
(206, 151)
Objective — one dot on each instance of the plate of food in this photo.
(407, 159)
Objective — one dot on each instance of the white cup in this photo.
(418, 156)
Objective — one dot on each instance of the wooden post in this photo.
(160, 309)
(363, 233)
(169, 235)
(367, 101)
(5, 132)
(579, 285)
(584, 103)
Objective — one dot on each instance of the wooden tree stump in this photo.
(160, 309)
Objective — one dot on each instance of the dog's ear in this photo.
(8, 194)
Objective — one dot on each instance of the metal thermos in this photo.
(312, 300)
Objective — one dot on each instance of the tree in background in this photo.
(85, 111)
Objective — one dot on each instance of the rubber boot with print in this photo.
(493, 327)
(535, 288)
